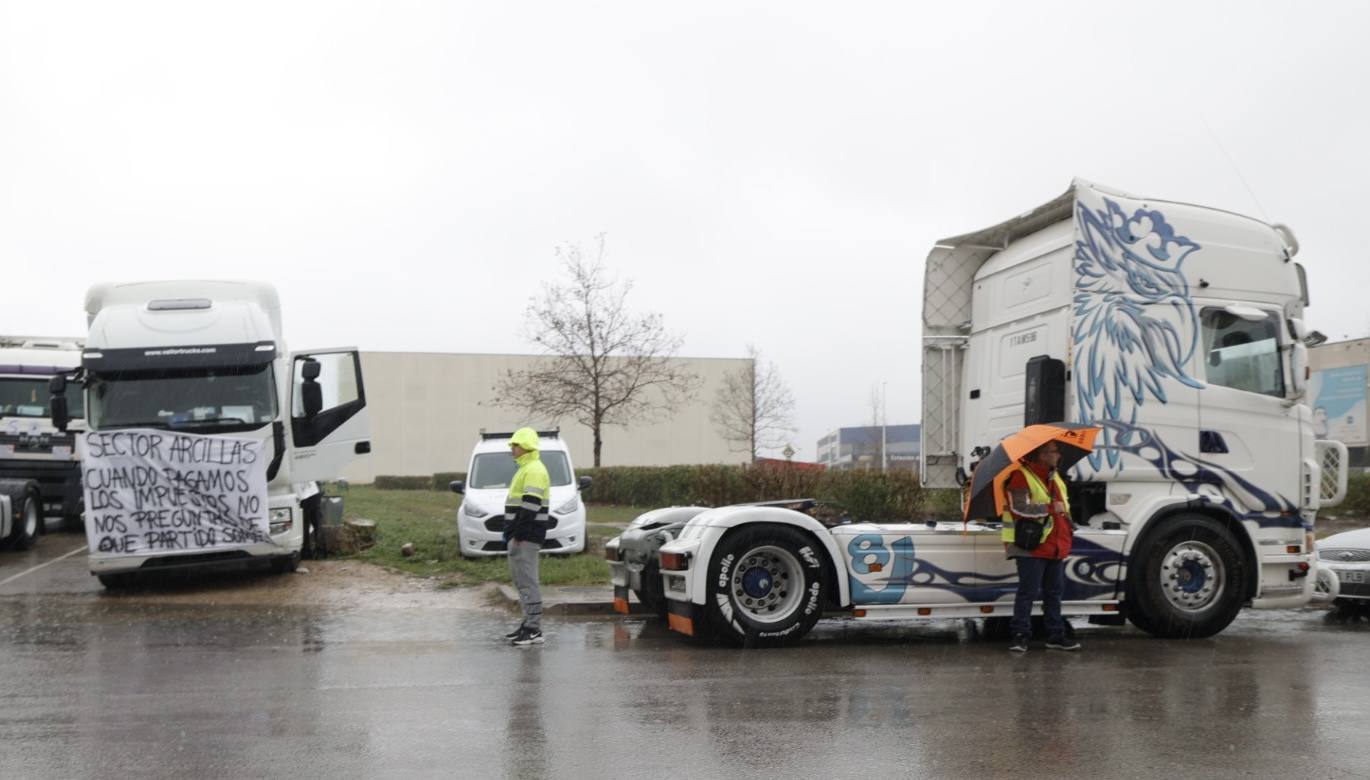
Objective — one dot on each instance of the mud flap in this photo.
(680, 616)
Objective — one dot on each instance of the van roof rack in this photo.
(485, 435)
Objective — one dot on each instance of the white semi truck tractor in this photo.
(39, 472)
(209, 357)
(1177, 329)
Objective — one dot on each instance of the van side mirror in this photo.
(61, 415)
(457, 486)
(584, 483)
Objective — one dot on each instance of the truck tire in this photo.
(27, 505)
(285, 564)
(121, 581)
(73, 517)
(651, 594)
(766, 587)
(1188, 580)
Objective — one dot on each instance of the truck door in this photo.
(329, 424)
(1247, 430)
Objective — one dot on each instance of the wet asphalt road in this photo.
(95, 685)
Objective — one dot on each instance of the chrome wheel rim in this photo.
(1192, 576)
(767, 584)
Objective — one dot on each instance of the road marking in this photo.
(8, 580)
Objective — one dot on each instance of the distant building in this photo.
(1337, 395)
(860, 448)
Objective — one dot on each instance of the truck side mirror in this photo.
(584, 483)
(61, 415)
(1298, 370)
(457, 486)
(311, 394)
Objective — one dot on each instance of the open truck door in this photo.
(328, 418)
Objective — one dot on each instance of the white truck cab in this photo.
(1177, 329)
(31, 448)
(209, 357)
(480, 518)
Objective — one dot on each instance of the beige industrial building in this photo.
(427, 410)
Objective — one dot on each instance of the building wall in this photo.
(860, 447)
(427, 410)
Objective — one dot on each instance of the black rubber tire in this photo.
(121, 581)
(723, 614)
(651, 594)
(73, 517)
(26, 504)
(285, 564)
(1148, 607)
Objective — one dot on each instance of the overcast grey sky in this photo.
(765, 173)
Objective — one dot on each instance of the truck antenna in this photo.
(1230, 161)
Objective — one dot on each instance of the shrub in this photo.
(443, 478)
(1357, 501)
(403, 483)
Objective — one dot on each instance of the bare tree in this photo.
(753, 409)
(602, 364)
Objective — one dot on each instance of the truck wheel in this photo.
(766, 587)
(1188, 581)
(27, 506)
(650, 594)
(285, 564)
(72, 521)
(121, 581)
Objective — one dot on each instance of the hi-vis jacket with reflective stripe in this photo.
(1039, 504)
(525, 508)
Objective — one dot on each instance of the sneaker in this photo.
(1064, 644)
(515, 632)
(1019, 645)
(527, 636)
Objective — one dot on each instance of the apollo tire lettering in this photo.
(806, 552)
(815, 591)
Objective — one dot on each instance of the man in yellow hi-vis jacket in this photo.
(525, 529)
(1037, 500)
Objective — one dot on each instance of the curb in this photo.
(550, 606)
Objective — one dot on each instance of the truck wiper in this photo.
(210, 421)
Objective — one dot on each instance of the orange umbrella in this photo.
(987, 484)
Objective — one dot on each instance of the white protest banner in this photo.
(152, 491)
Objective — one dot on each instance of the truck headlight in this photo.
(473, 511)
(570, 506)
(281, 520)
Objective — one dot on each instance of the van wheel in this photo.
(1188, 581)
(765, 587)
(27, 506)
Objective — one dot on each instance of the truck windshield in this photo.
(205, 400)
(496, 469)
(29, 397)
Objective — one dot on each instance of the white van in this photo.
(480, 519)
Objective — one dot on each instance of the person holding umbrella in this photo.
(1037, 503)
(1021, 482)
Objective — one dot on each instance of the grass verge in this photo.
(428, 519)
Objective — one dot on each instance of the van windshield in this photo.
(496, 469)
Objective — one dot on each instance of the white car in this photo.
(1347, 556)
(480, 519)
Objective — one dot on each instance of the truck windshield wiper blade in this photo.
(210, 421)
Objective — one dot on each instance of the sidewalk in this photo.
(574, 600)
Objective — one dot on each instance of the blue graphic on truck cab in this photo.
(1134, 323)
